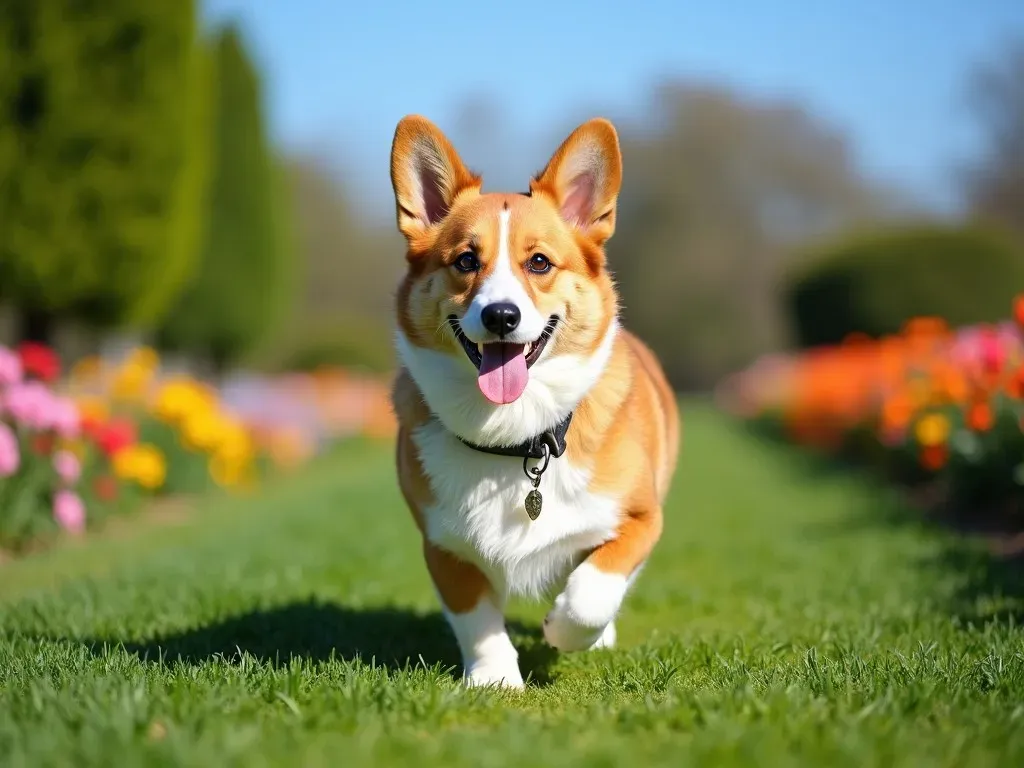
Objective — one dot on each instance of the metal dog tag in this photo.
(534, 502)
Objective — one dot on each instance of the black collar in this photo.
(534, 448)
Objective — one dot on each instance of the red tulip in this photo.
(115, 435)
(39, 361)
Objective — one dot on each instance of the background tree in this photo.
(241, 286)
(343, 314)
(103, 157)
(995, 181)
(714, 200)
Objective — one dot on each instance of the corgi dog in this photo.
(537, 437)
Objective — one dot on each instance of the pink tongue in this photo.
(503, 373)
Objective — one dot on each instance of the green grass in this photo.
(790, 615)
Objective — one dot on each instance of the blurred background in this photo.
(212, 178)
(208, 182)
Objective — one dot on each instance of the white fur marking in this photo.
(557, 385)
(608, 637)
(488, 656)
(480, 515)
(503, 286)
(584, 611)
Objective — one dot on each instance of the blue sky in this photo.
(888, 73)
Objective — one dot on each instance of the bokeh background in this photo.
(197, 241)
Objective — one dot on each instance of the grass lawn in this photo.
(791, 615)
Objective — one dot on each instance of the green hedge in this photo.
(874, 283)
(311, 343)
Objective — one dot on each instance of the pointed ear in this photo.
(583, 179)
(426, 174)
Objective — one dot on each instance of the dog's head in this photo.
(506, 314)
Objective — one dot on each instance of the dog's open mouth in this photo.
(503, 366)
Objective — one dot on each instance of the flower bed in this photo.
(932, 405)
(110, 435)
(50, 468)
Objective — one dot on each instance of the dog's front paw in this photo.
(607, 638)
(563, 632)
(566, 635)
(583, 615)
(502, 672)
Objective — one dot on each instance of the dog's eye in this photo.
(539, 263)
(467, 262)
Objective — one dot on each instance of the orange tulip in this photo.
(1018, 310)
(980, 417)
(1015, 384)
(897, 411)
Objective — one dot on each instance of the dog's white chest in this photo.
(480, 514)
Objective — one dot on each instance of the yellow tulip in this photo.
(234, 442)
(130, 382)
(225, 472)
(143, 463)
(203, 430)
(932, 430)
(152, 470)
(180, 398)
(145, 358)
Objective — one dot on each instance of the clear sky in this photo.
(340, 75)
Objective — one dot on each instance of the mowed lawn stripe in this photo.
(789, 616)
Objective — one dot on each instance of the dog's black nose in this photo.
(501, 318)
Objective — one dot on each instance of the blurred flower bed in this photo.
(107, 436)
(931, 405)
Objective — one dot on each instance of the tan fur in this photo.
(625, 430)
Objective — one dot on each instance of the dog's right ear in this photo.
(426, 174)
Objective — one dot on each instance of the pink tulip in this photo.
(10, 456)
(69, 511)
(10, 367)
(29, 404)
(67, 466)
(64, 418)
(32, 405)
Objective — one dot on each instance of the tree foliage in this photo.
(996, 180)
(102, 156)
(719, 189)
(242, 283)
(714, 200)
(345, 292)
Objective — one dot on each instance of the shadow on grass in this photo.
(394, 638)
(983, 545)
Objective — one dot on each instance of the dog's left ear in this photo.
(583, 179)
